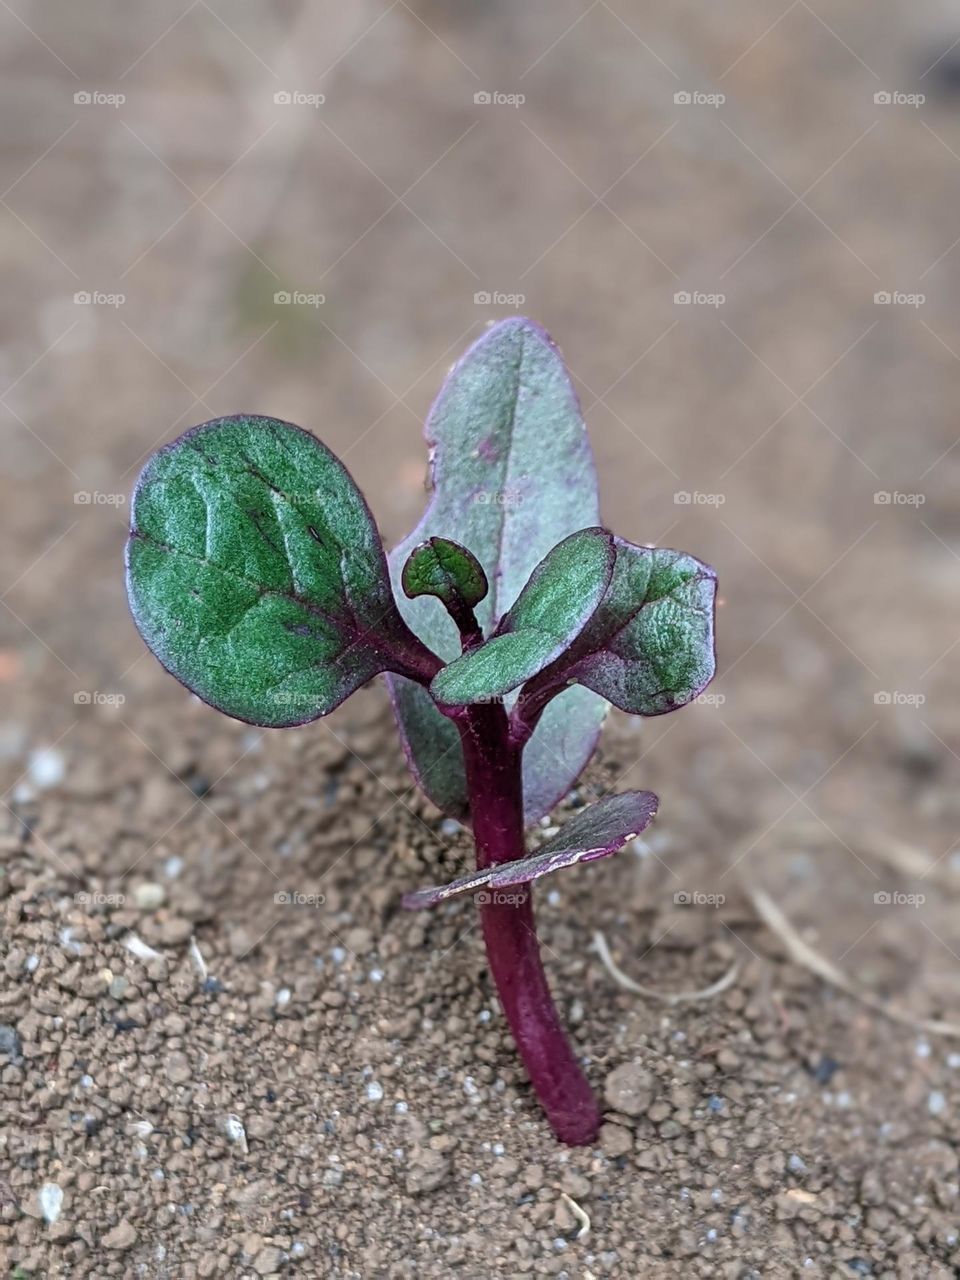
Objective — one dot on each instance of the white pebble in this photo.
(51, 1201)
(922, 1049)
(375, 1091)
(235, 1132)
(284, 996)
(46, 767)
(936, 1103)
(31, 963)
(376, 975)
(400, 1108)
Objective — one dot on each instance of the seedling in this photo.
(506, 623)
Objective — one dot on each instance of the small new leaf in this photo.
(549, 614)
(441, 568)
(256, 574)
(649, 647)
(593, 833)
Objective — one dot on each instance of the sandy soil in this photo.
(329, 1089)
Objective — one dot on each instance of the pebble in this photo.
(149, 896)
(629, 1089)
(178, 1068)
(46, 767)
(428, 1172)
(375, 1091)
(122, 1236)
(10, 1042)
(51, 1201)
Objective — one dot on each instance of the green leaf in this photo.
(444, 569)
(649, 647)
(511, 474)
(256, 575)
(549, 614)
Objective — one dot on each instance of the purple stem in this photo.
(495, 784)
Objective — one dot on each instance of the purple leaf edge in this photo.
(555, 855)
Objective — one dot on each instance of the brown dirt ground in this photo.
(329, 1090)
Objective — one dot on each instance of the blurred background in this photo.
(738, 221)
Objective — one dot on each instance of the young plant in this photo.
(506, 623)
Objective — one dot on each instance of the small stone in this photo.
(50, 1200)
(46, 768)
(267, 1261)
(10, 1042)
(149, 896)
(123, 1236)
(178, 1068)
(629, 1089)
(615, 1141)
(429, 1171)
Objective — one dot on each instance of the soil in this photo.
(299, 1076)
(199, 1078)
